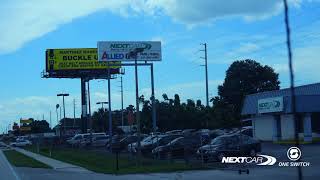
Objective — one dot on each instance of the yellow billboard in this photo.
(76, 59)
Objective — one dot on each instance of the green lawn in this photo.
(106, 163)
(301, 141)
(20, 160)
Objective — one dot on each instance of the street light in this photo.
(64, 108)
(102, 103)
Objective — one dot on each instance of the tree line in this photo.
(243, 77)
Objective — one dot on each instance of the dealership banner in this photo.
(129, 50)
(269, 105)
(75, 59)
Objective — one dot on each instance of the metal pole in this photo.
(60, 113)
(109, 103)
(206, 69)
(64, 115)
(84, 106)
(74, 113)
(154, 117)
(57, 116)
(137, 107)
(122, 119)
(90, 119)
(50, 121)
(292, 90)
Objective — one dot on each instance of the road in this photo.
(6, 170)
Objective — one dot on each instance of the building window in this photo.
(315, 122)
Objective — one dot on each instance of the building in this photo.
(271, 114)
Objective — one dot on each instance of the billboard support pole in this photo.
(109, 103)
(137, 107)
(154, 120)
(83, 105)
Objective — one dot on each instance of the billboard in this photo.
(129, 50)
(25, 121)
(77, 62)
(269, 105)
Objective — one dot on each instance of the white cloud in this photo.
(23, 21)
(281, 68)
(194, 11)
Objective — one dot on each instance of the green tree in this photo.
(242, 78)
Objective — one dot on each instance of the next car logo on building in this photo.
(261, 160)
(270, 105)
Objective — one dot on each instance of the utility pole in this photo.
(206, 71)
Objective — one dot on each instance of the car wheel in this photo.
(220, 156)
(252, 152)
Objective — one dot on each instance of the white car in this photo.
(21, 143)
(100, 141)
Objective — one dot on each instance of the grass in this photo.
(20, 160)
(301, 141)
(106, 163)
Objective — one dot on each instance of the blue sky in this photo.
(233, 30)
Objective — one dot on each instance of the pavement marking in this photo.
(9, 165)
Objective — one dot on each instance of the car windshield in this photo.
(218, 140)
(175, 141)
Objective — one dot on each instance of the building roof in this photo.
(307, 98)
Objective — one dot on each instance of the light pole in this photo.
(64, 109)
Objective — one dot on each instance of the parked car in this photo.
(229, 145)
(215, 133)
(21, 143)
(128, 140)
(146, 148)
(100, 141)
(248, 130)
(174, 132)
(83, 139)
(188, 131)
(179, 147)
(148, 140)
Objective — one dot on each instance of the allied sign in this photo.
(129, 51)
(76, 59)
(269, 105)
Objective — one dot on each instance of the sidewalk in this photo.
(55, 164)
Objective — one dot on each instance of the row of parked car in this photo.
(204, 143)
